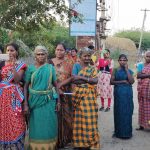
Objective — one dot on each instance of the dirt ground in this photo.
(140, 140)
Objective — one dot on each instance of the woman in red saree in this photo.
(12, 121)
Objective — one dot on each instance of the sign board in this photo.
(83, 18)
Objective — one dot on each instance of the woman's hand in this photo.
(76, 77)
(126, 66)
(59, 85)
(61, 92)
(58, 106)
(25, 109)
(125, 81)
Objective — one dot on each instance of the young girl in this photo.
(103, 87)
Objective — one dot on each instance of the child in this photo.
(105, 68)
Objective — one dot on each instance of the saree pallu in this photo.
(43, 118)
(12, 121)
(144, 99)
(85, 121)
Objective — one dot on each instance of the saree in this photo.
(12, 121)
(123, 105)
(43, 118)
(144, 99)
(63, 71)
(85, 115)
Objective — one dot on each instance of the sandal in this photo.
(140, 128)
(101, 109)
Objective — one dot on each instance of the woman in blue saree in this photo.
(122, 80)
(41, 98)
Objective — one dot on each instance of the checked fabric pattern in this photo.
(85, 127)
(144, 99)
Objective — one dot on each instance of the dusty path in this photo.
(140, 140)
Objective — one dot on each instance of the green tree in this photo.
(134, 35)
(27, 15)
(46, 36)
(4, 38)
(62, 35)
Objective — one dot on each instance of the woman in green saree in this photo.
(41, 99)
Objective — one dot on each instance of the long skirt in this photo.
(104, 88)
(123, 111)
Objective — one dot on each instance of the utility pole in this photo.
(142, 29)
(101, 25)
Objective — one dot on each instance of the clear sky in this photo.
(127, 14)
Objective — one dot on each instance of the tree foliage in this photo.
(34, 22)
(46, 36)
(4, 38)
(27, 15)
(134, 35)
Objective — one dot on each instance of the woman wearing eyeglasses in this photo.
(40, 79)
(122, 79)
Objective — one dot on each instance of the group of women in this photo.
(41, 92)
(60, 100)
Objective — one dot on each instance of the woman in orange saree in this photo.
(63, 68)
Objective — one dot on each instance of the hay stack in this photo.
(120, 43)
(124, 45)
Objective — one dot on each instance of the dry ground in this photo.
(140, 140)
